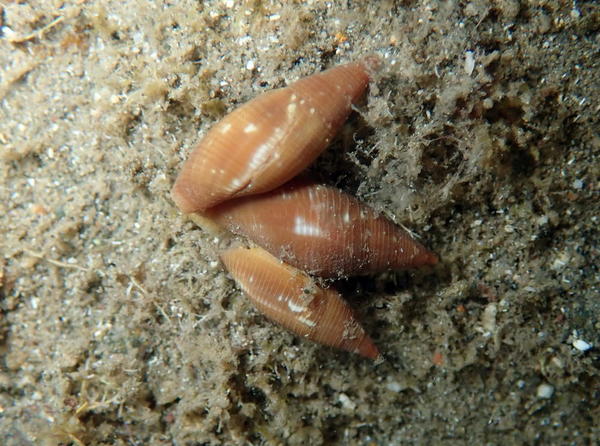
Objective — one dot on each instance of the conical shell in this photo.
(321, 230)
(291, 298)
(270, 139)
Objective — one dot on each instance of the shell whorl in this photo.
(321, 230)
(291, 298)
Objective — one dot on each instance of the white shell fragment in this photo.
(469, 62)
(581, 345)
(545, 391)
(347, 403)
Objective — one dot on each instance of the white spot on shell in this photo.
(261, 154)
(250, 128)
(291, 109)
(302, 227)
(312, 111)
(225, 127)
(347, 217)
(296, 308)
(307, 321)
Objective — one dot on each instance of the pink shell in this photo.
(269, 140)
(321, 230)
(293, 299)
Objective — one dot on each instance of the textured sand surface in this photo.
(118, 324)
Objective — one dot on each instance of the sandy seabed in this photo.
(119, 325)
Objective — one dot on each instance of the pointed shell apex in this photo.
(292, 299)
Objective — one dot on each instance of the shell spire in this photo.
(291, 298)
(270, 139)
(322, 230)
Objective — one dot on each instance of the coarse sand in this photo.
(480, 134)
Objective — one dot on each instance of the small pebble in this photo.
(394, 386)
(581, 345)
(577, 184)
(346, 402)
(545, 391)
(469, 62)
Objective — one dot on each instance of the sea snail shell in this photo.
(321, 230)
(270, 139)
(235, 178)
(291, 298)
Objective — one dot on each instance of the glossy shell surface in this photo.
(322, 230)
(270, 139)
(291, 298)
(241, 177)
